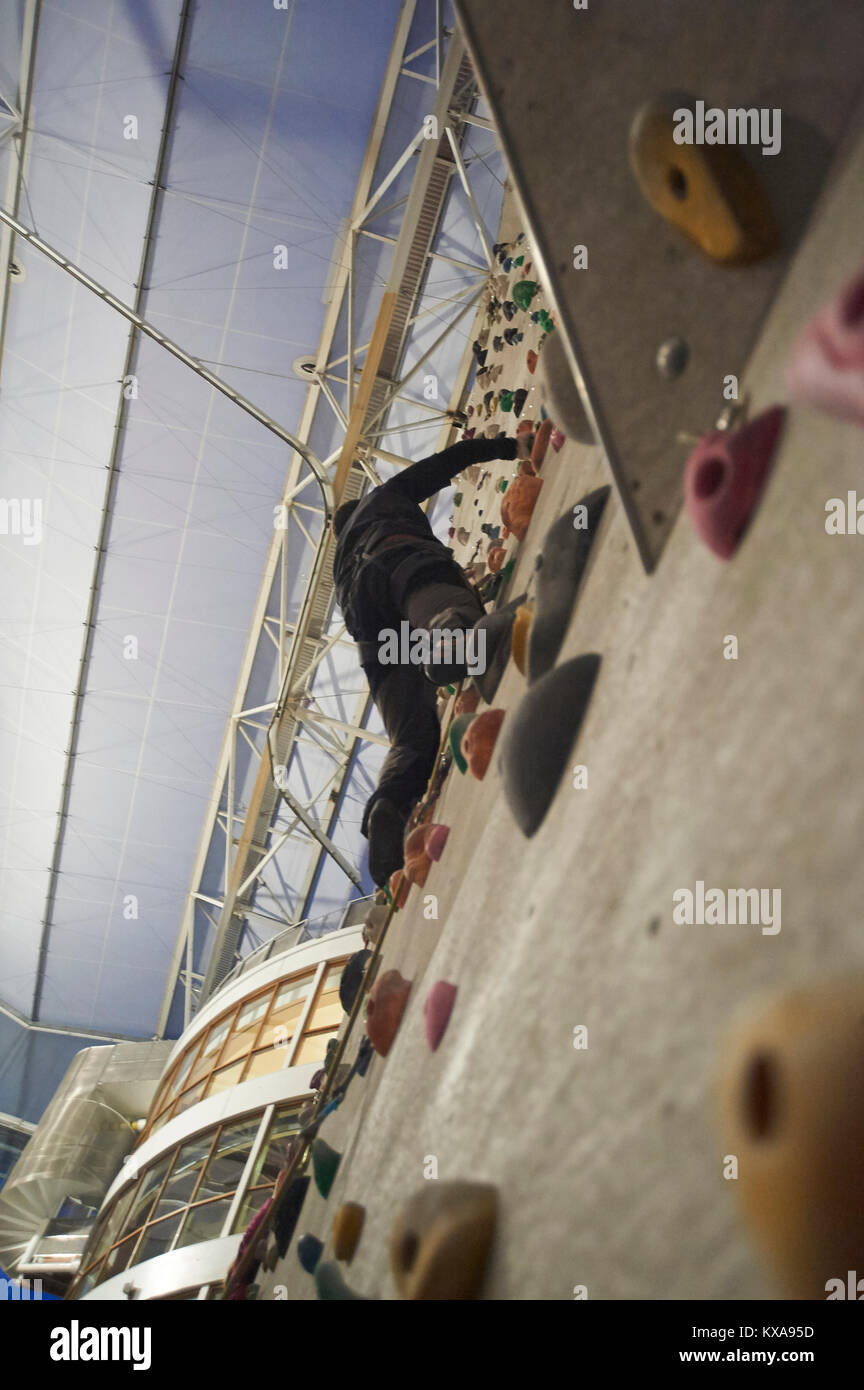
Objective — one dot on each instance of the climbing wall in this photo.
(576, 1086)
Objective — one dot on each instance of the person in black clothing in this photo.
(388, 568)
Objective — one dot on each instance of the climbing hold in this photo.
(479, 741)
(512, 336)
(540, 734)
(375, 921)
(495, 557)
(436, 839)
(468, 701)
(498, 343)
(457, 731)
(288, 1213)
(457, 499)
(440, 1242)
(506, 400)
(709, 192)
(509, 309)
(826, 369)
(523, 292)
(351, 978)
(399, 890)
(519, 636)
(325, 1163)
(496, 628)
(518, 506)
(472, 473)
(364, 1056)
(346, 1230)
(387, 1000)
(532, 359)
(503, 484)
(789, 1083)
(437, 1008)
(541, 444)
(309, 1250)
(557, 440)
(724, 478)
(519, 399)
(331, 1286)
(469, 434)
(463, 535)
(524, 427)
(417, 861)
(559, 568)
(451, 532)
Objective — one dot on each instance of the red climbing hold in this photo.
(436, 1011)
(397, 893)
(826, 369)
(479, 741)
(387, 1000)
(724, 478)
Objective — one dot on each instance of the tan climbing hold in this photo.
(791, 1085)
(347, 1229)
(440, 1242)
(519, 637)
(709, 192)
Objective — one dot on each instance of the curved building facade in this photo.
(224, 1111)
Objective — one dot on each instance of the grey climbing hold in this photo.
(537, 738)
(330, 1283)
(560, 566)
(497, 627)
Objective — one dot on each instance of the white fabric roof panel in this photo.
(272, 123)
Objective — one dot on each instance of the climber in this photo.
(390, 567)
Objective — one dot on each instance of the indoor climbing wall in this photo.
(605, 1042)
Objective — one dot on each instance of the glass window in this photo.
(287, 1008)
(228, 1159)
(252, 1202)
(158, 1237)
(204, 1222)
(146, 1194)
(225, 1077)
(246, 1028)
(184, 1068)
(189, 1098)
(118, 1259)
(327, 1011)
(313, 1048)
(263, 1063)
(187, 1168)
(272, 1156)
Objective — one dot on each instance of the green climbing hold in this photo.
(506, 400)
(503, 484)
(457, 500)
(523, 292)
(325, 1164)
(457, 732)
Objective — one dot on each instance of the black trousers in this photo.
(406, 697)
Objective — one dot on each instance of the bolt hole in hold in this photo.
(853, 305)
(408, 1251)
(709, 479)
(761, 1096)
(677, 181)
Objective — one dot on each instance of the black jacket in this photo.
(393, 509)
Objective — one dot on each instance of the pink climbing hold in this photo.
(557, 440)
(724, 478)
(436, 839)
(436, 1011)
(826, 369)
